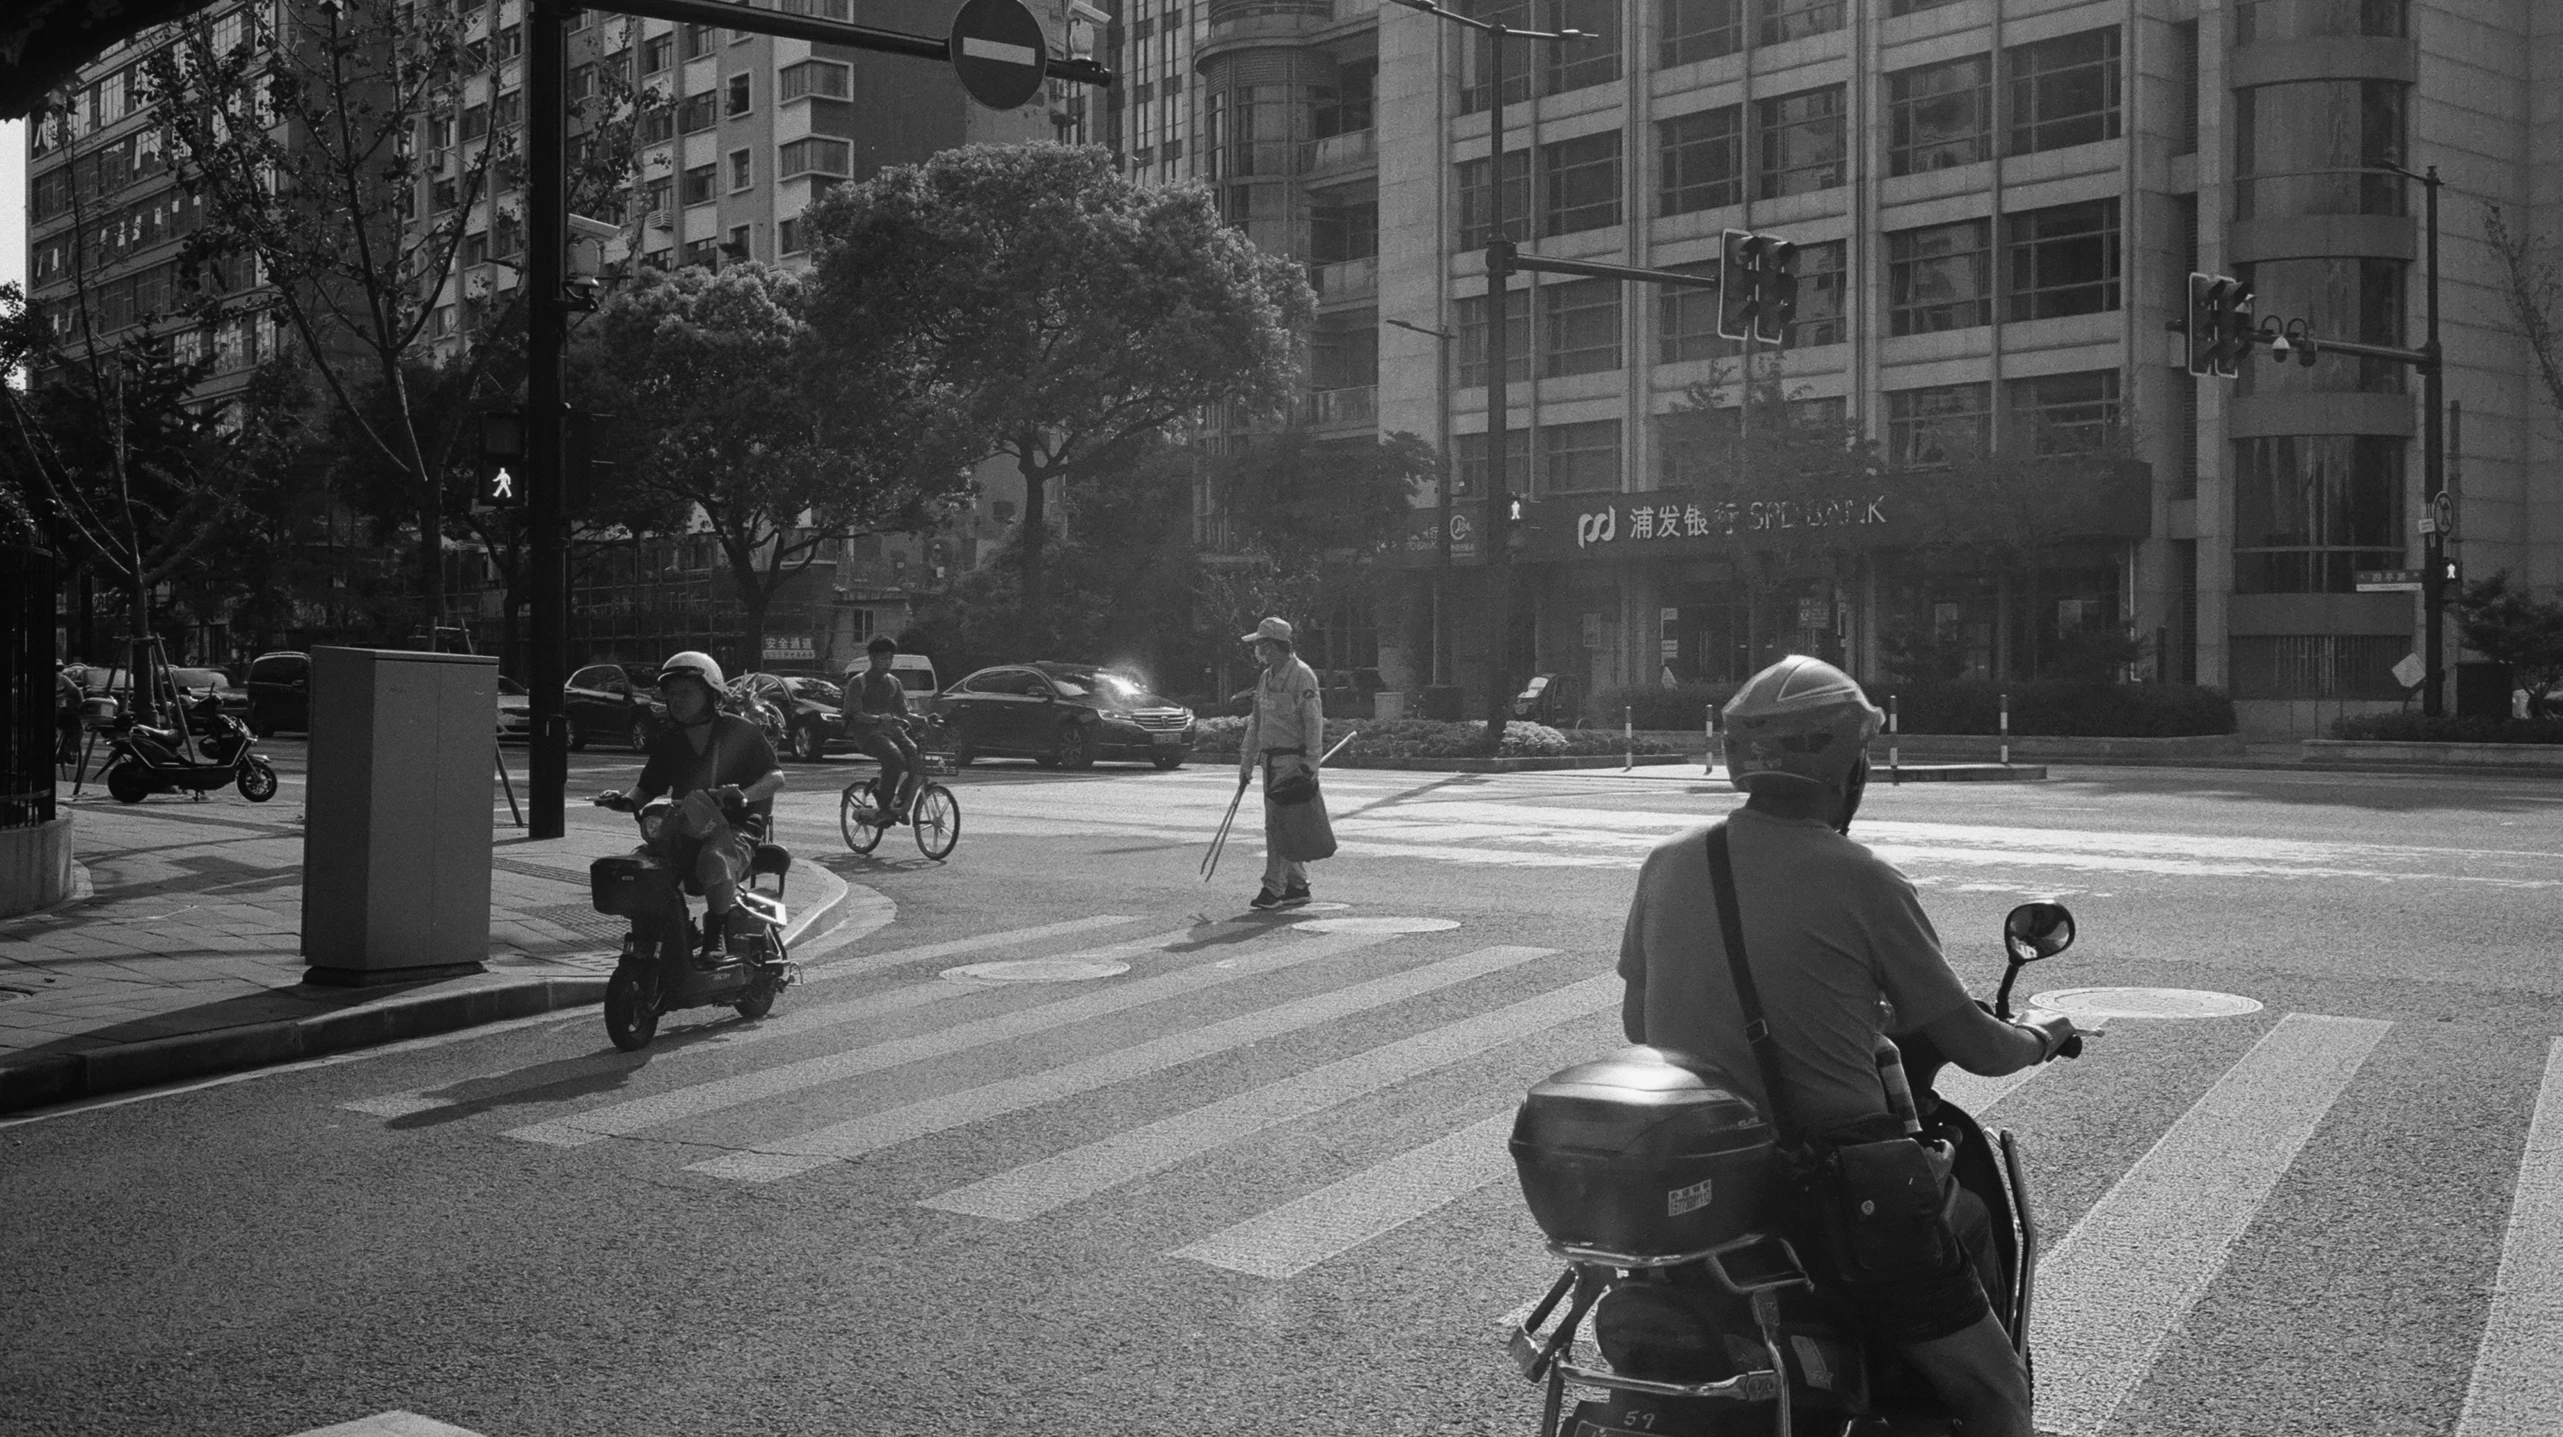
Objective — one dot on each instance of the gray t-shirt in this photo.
(1831, 928)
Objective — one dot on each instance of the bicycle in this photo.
(863, 810)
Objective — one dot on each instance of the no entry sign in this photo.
(999, 52)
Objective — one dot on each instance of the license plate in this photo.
(1167, 740)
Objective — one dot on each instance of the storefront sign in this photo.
(1643, 524)
(783, 647)
(1422, 545)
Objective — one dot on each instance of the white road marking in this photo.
(842, 1142)
(1297, 1236)
(2517, 1388)
(1051, 1183)
(2118, 1286)
(618, 1119)
(895, 957)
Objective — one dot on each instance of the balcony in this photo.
(1337, 151)
(1345, 279)
(1336, 408)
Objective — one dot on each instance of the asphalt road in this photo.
(1255, 1183)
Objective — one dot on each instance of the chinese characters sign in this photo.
(1607, 526)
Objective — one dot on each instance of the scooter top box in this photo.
(1639, 1154)
(628, 885)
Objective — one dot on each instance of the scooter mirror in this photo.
(2038, 930)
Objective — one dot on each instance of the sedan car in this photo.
(1063, 715)
(515, 711)
(813, 711)
(279, 692)
(615, 702)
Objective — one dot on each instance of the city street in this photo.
(1211, 1171)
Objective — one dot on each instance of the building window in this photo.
(1939, 116)
(1686, 319)
(658, 125)
(1930, 426)
(475, 122)
(742, 169)
(1579, 327)
(657, 53)
(1337, 233)
(1580, 458)
(1477, 64)
(2300, 148)
(1800, 142)
(2064, 91)
(2310, 510)
(705, 252)
(1260, 140)
(475, 248)
(1575, 64)
(582, 80)
(1914, 7)
(1698, 30)
(1785, 20)
(2063, 260)
(791, 236)
(2342, 297)
(1580, 184)
(1821, 271)
(2259, 20)
(817, 77)
(508, 43)
(697, 112)
(694, 41)
(507, 111)
(741, 246)
(1343, 108)
(1468, 351)
(816, 155)
(661, 195)
(1468, 474)
(1937, 278)
(1477, 221)
(2061, 413)
(1344, 358)
(1701, 158)
(740, 96)
(695, 187)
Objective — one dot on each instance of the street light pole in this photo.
(1442, 484)
(547, 319)
(2433, 479)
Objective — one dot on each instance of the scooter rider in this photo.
(875, 715)
(722, 773)
(1829, 931)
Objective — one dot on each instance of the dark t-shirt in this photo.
(1831, 929)
(737, 753)
(875, 695)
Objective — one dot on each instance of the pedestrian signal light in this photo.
(502, 467)
(1739, 283)
(1777, 303)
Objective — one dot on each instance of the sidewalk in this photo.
(177, 956)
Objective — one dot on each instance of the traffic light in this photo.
(502, 483)
(2232, 326)
(1778, 302)
(1739, 283)
(2200, 328)
(582, 473)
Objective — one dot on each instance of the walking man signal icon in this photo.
(502, 444)
(502, 488)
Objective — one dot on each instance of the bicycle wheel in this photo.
(938, 821)
(858, 818)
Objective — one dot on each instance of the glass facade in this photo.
(2346, 298)
(2312, 509)
(2311, 147)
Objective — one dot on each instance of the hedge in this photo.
(2421, 728)
(1683, 706)
(2061, 708)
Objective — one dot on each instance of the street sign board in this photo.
(2410, 671)
(999, 53)
(2389, 581)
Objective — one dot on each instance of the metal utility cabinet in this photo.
(396, 830)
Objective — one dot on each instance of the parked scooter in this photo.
(657, 973)
(144, 760)
(1662, 1189)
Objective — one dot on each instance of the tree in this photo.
(2513, 628)
(2532, 283)
(318, 153)
(1057, 312)
(736, 418)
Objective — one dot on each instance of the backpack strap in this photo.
(1757, 1029)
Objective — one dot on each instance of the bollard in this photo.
(2006, 730)
(1895, 773)
(1628, 737)
(1709, 728)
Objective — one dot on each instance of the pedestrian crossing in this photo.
(1228, 1040)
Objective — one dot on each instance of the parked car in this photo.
(280, 692)
(1063, 715)
(616, 702)
(751, 703)
(515, 710)
(813, 711)
(195, 683)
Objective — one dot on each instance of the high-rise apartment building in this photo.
(1997, 204)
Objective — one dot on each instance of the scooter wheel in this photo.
(128, 782)
(758, 1002)
(257, 781)
(631, 1010)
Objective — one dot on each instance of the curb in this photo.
(123, 1067)
(1508, 765)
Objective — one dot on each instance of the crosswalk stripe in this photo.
(1297, 1236)
(579, 1129)
(894, 957)
(2517, 1389)
(845, 1141)
(2122, 1280)
(1051, 1183)
(470, 1092)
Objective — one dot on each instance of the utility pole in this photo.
(2433, 477)
(1442, 484)
(547, 319)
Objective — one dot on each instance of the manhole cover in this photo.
(1040, 970)
(2145, 1003)
(1376, 925)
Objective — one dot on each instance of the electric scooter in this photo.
(144, 760)
(658, 972)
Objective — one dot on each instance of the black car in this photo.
(813, 711)
(280, 692)
(1063, 715)
(615, 702)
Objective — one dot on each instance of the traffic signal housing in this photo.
(1740, 255)
(2219, 326)
(502, 461)
(1777, 303)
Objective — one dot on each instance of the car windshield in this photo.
(817, 691)
(1129, 690)
(1070, 686)
(510, 687)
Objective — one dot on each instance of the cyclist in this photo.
(876, 718)
(722, 773)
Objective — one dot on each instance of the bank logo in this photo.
(1599, 528)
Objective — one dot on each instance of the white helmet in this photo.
(700, 665)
